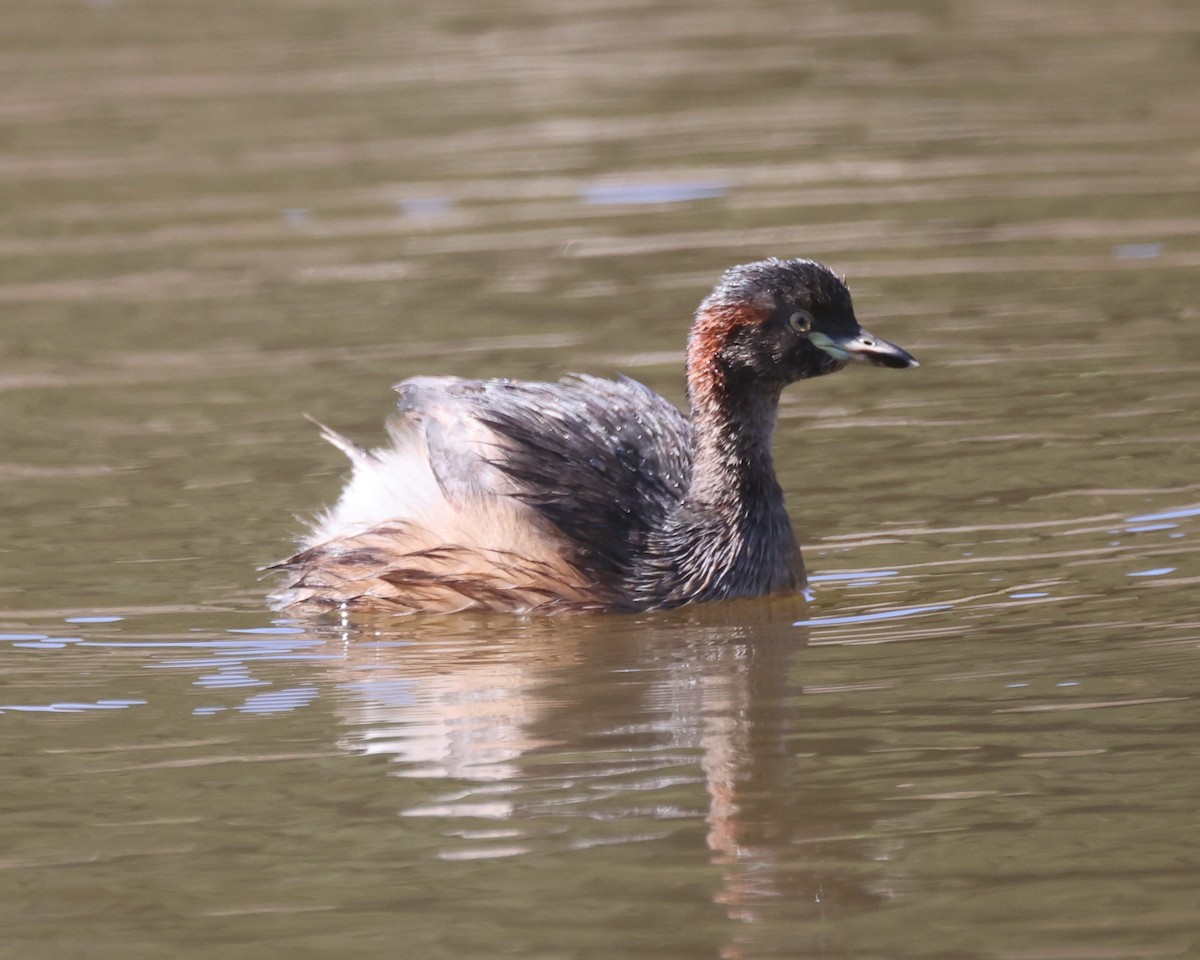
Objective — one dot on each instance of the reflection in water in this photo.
(880, 615)
(653, 192)
(606, 728)
(792, 790)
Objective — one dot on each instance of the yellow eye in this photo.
(800, 321)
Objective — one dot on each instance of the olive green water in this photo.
(980, 738)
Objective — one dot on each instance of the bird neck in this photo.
(734, 419)
(730, 535)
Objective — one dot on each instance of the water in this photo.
(979, 737)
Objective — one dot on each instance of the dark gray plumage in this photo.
(603, 461)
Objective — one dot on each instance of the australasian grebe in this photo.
(590, 493)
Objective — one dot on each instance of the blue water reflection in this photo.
(872, 617)
(1165, 515)
(69, 707)
(638, 193)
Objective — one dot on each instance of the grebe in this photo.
(588, 493)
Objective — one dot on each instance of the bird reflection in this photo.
(603, 721)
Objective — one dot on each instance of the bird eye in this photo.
(801, 321)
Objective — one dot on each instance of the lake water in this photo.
(980, 737)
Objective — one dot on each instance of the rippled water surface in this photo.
(979, 738)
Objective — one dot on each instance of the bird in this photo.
(589, 494)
